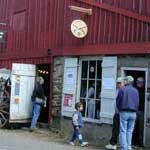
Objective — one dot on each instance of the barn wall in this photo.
(139, 6)
(34, 26)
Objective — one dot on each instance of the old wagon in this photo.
(4, 96)
(16, 87)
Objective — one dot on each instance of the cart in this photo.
(5, 87)
(16, 87)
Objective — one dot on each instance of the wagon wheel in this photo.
(4, 112)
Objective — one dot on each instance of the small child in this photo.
(77, 123)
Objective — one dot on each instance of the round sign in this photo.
(79, 28)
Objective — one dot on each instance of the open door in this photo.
(22, 80)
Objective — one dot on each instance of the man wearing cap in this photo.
(116, 125)
(127, 104)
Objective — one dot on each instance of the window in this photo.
(90, 88)
(19, 15)
(93, 76)
(2, 36)
(19, 6)
(18, 22)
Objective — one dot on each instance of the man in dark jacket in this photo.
(116, 123)
(140, 115)
(38, 98)
(128, 104)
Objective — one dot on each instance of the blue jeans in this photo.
(127, 122)
(36, 114)
(77, 135)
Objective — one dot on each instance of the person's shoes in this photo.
(141, 145)
(109, 146)
(130, 148)
(71, 143)
(134, 147)
(84, 144)
(33, 129)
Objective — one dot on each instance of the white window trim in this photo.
(79, 84)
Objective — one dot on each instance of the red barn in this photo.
(108, 38)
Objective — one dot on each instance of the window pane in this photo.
(83, 88)
(90, 88)
(99, 69)
(84, 69)
(98, 89)
(97, 110)
(92, 69)
(83, 101)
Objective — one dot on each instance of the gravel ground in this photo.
(40, 140)
(24, 140)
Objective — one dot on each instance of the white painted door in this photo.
(69, 86)
(23, 80)
(108, 92)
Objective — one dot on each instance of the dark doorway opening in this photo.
(43, 70)
(139, 126)
(135, 74)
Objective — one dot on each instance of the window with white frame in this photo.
(90, 87)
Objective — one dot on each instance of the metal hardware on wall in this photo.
(81, 9)
(49, 51)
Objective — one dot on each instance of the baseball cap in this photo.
(129, 78)
(140, 79)
(120, 79)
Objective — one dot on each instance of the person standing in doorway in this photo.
(140, 114)
(116, 124)
(127, 104)
(39, 100)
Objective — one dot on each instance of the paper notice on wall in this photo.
(70, 76)
(68, 98)
(17, 89)
(108, 83)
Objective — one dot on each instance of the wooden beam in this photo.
(142, 48)
(120, 11)
(81, 9)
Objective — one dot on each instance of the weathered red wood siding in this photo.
(35, 26)
(105, 27)
(139, 6)
(4, 15)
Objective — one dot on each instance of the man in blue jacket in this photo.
(127, 104)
